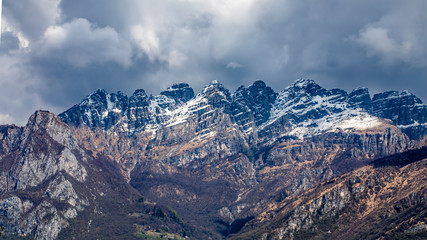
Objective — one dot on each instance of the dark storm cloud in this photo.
(66, 85)
(67, 49)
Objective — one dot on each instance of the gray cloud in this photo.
(75, 47)
(234, 65)
(79, 44)
(31, 17)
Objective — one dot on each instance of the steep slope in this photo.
(404, 109)
(384, 200)
(50, 187)
(9, 139)
(251, 106)
(100, 109)
(36, 174)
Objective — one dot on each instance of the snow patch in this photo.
(170, 114)
(415, 124)
(110, 105)
(287, 105)
(348, 120)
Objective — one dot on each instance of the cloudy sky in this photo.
(55, 52)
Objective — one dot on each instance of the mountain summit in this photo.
(302, 102)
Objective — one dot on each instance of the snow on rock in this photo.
(305, 99)
(253, 109)
(349, 120)
(309, 109)
(168, 113)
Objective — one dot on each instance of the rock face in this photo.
(138, 109)
(45, 131)
(181, 92)
(47, 180)
(404, 109)
(100, 109)
(9, 138)
(369, 203)
(41, 150)
(360, 98)
(252, 105)
(255, 148)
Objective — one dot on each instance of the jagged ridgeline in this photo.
(302, 163)
(256, 106)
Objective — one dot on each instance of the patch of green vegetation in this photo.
(150, 203)
(143, 233)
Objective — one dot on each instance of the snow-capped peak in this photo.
(213, 86)
(301, 83)
(302, 104)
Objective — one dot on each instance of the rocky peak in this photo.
(217, 95)
(258, 84)
(102, 100)
(180, 92)
(47, 146)
(99, 109)
(117, 101)
(258, 99)
(139, 99)
(46, 123)
(41, 116)
(305, 100)
(213, 87)
(303, 82)
(99, 96)
(250, 107)
(306, 87)
(260, 90)
(360, 98)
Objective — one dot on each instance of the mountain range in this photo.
(303, 163)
